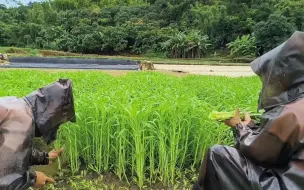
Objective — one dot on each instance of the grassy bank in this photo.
(146, 128)
(14, 52)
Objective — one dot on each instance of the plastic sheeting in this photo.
(281, 71)
(39, 114)
(268, 155)
(70, 66)
(71, 63)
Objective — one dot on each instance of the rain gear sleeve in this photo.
(39, 114)
(268, 155)
(39, 158)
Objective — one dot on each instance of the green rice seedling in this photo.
(57, 146)
(73, 149)
(144, 127)
(222, 116)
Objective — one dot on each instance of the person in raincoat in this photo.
(269, 154)
(40, 114)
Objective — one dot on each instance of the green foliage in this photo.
(243, 46)
(273, 32)
(293, 10)
(150, 132)
(143, 26)
(190, 45)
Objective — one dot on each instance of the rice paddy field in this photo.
(147, 129)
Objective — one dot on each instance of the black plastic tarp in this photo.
(70, 63)
(34, 60)
(70, 66)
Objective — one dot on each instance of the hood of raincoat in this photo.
(52, 106)
(281, 72)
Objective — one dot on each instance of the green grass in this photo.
(15, 52)
(145, 127)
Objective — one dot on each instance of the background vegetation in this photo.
(172, 28)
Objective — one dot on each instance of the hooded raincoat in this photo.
(268, 155)
(37, 115)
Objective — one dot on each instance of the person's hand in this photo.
(237, 119)
(54, 154)
(42, 180)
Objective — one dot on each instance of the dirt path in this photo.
(231, 71)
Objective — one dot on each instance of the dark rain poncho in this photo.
(268, 156)
(39, 114)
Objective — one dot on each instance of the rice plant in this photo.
(144, 127)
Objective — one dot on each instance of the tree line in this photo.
(172, 28)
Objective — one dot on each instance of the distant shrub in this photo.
(56, 53)
(243, 46)
(16, 50)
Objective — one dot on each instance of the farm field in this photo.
(144, 130)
